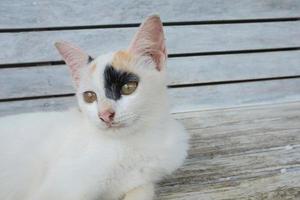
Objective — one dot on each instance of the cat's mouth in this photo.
(114, 125)
(121, 123)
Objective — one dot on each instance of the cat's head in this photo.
(126, 88)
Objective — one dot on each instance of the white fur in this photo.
(72, 155)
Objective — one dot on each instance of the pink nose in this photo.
(107, 116)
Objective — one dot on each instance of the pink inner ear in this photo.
(150, 41)
(74, 57)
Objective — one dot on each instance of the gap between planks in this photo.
(130, 25)
(179, 55)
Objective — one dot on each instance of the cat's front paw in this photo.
(144, 192)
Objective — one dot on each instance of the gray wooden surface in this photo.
(238, 154)
(234, 74)
(38, 46)
(45, 13)
(55, 79)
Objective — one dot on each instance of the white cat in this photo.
(117, 146)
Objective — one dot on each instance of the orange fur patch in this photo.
(93, 68)
(122, 60)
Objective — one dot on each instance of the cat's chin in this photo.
(120, 124)
(112, 126)
(115, 126)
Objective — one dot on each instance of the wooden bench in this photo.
(234, 79)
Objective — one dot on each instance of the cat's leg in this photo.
(144, 192)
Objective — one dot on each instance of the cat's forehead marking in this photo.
(114, 79)
(122, 60)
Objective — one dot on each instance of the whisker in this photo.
(125, 117)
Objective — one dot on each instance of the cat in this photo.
(117, 145)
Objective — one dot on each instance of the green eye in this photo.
(129, 88)
(89, 96)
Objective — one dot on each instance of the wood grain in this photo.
(55, 79)
(240, 153)
(39, 46)
(46, 13)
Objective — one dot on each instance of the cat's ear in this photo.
(74, 57)
(150, 41)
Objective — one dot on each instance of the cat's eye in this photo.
(129, 88)
(89, 96)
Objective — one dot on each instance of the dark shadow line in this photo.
(170, 86)
(177, 55)
(245, 51)
(130, 25)
(233, 81)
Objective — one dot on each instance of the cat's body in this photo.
(82, 164)
(120, 142)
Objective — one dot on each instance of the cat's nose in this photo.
(107, 116)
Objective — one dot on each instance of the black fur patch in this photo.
(90, 59)
(114, 80)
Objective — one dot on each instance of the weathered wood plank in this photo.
(219, 119)
(74, 13)
(265, 185)
(266, 128)
(38, 46)
(255, 162)
(55, 79)
(228, 95)
(188, 98)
